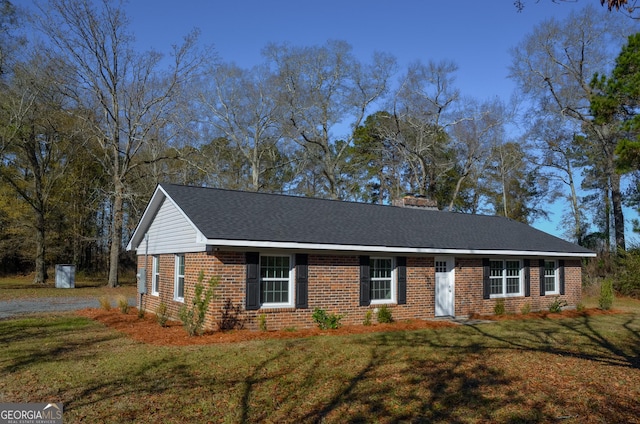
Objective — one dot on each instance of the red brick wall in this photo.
(334, 285)
(468, 300)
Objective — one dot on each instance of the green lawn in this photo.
(577, 370)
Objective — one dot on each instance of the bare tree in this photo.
(131, 93)
(423, 111)
(324, 88)
(558, 152)
(473, 139)
(242, 106)
(554, 66)
(512, 186)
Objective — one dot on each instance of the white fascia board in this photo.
(384, 249)
(147, 217)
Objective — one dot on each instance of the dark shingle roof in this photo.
(246, 216)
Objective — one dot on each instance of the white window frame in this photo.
(290, 283)
(155, 275)
(504, 277)
(372, 279)
(178, 277)
(556, 277)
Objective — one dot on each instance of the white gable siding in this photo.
(170, 232)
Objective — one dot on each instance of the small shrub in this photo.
(580, 307)
(367, 317)
(123, 304)
(262, 322)
(105, 303)
(526, 308)
(162, 315)
(557, 305)
(140, 313)
(193, 317)
(499, 308)
(605, 301)
(384, 315)
(291, 329)
(326, 321)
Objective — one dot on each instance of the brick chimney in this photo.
(416, 201)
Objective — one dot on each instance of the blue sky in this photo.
(476, 35)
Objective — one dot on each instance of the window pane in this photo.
(275, 291)
(496, 268)
(156, 274)
(381, 289)
(441, 266)
(179, 289)
(180, 292)
(513, 268)
(274, 279)
(550, 276)
(513, 276)
(496, 286)
(380, 271)
(181, 266)
(513, 285)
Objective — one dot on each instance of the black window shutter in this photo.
(542, 288)
(253, 281)
(302, 280)
(527, 277)
(401, 263)
(365, 281)
(486, 285)
(561, 275)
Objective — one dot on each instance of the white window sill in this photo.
(383, 302)
(277, 305)
(506, 296)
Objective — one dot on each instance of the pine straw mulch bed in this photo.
(147, 329)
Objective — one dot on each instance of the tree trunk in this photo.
(116, 232)
(618, 216)
(575, 206)
(41, 265)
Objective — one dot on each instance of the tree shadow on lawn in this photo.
(438, 381)
(610, 355)
(550, 336)
(462, 378)
(450, 390)
(223, 395)
(451, 376)
(41, 340)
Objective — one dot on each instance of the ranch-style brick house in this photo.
(279, 257)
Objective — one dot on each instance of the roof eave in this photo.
(386, 249)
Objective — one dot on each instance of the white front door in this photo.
(445, 286)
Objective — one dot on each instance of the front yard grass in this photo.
(570, 370)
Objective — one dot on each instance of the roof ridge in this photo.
(294, 196)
